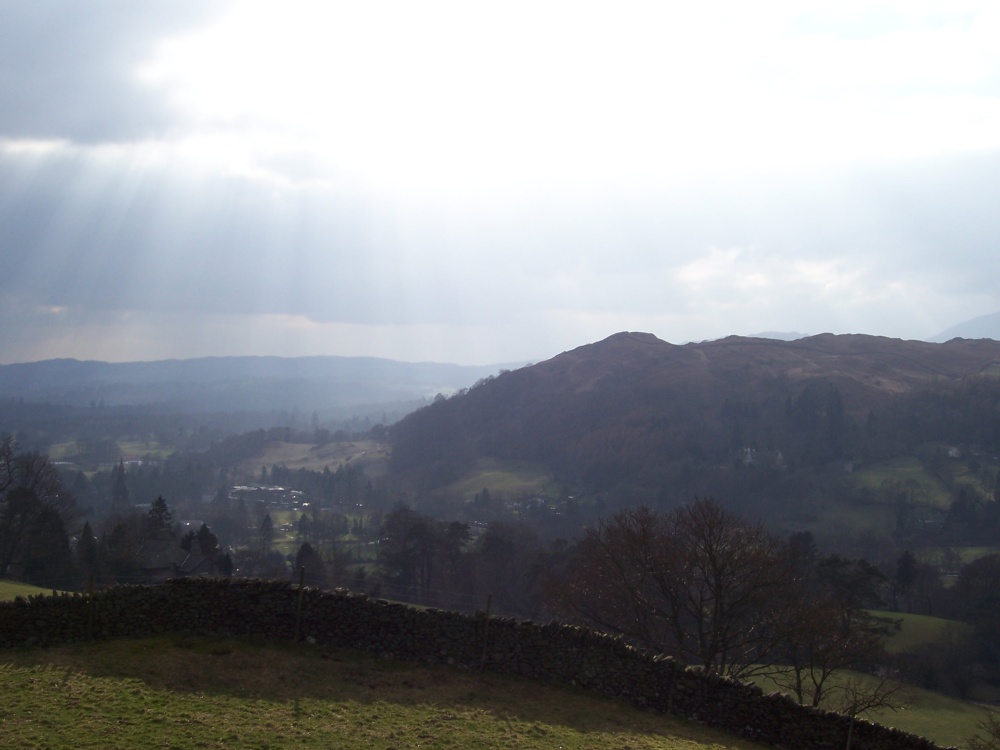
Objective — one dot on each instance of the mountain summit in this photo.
(635, 410)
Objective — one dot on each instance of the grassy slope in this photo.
(12, 589)
(371, 455)
(946, 721)
(63, 451)
(908, 471)
(919, 630)
(199, 693)
(506, 478)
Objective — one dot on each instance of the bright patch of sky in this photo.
(490, 182)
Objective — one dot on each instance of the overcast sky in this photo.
(481, 182)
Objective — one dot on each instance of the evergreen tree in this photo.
(34, 508)
(159, 523)
(266, 533)
(208, 542)
(121, 550)
(315, 570)
(120, 502)
(48, 560)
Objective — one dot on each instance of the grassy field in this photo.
(177, 692)
(62, 451)
(975, 479)
(372, 456)
(12, 589)
(918, 630)
(506, 478)
(185, 692)
(909, 472)
(854, 520)
(947, 721)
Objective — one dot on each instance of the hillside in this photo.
(186, 692)
(148, 623)
(633, 413)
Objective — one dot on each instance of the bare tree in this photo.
(734, 583)
(821, 640)
(699, 584)
(861, 697)
(990, 726)
(619, 579)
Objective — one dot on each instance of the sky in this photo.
(490, 182)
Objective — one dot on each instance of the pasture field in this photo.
(12, 589)
(506, 478)
(971, 554)
(949, 722)
(373, 456)
(908, 472)
(145, 447)
(975, 478)
(852, 520)
(139, 448)
(919, 630)
(182, 692)
(62, 451)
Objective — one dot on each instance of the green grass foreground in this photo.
(182, 692)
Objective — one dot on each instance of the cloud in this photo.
(68, 69)
(112, 236)
(471, 176)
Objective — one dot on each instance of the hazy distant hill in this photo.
(236, 383)
(983, 327)
(635, 410)
(779, 335)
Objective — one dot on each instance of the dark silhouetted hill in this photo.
(633, 410)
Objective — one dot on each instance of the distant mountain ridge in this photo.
(983, 327)
(236, 383)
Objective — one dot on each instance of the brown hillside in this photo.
(627, 407)
(883, 364)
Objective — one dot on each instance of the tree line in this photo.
(697, 581)
(709, 588)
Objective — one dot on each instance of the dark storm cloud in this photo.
(67, 68)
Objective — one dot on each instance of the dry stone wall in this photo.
(549, 652)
